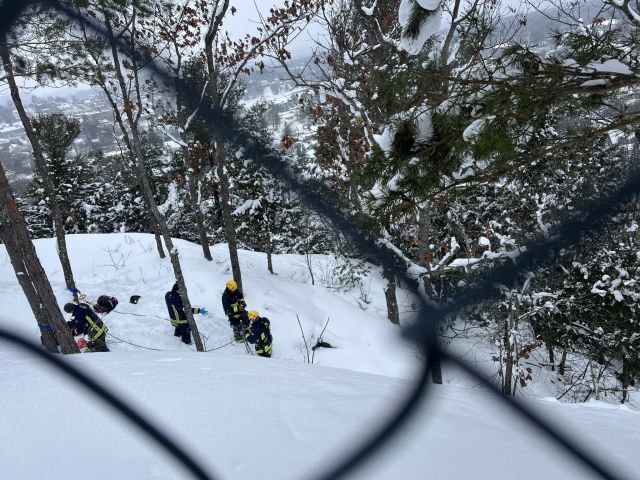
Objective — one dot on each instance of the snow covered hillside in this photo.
(122, 265)
(246, 417)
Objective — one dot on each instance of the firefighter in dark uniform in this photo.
(234, 306)
(84, 321)
(259, 333)
(177, 315)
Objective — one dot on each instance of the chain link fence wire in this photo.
(423, 332)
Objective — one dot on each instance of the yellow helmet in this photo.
(253, 315)
(232, 285)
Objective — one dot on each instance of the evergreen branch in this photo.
(417, 19)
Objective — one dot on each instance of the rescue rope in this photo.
(140, 315)
(162, 318)
(133, 344)
(159, 350)
(218, 348)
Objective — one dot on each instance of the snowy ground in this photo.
(245, 417)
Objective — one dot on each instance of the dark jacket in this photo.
(87, 322)
(176, 309)
(259, 332)
(231, 303)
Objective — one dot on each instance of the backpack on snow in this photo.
(105, 304)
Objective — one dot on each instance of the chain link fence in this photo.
(423, 332)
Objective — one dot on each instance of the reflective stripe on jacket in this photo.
(231, 302)
(260, 334)
(88, 322)
(176, 309)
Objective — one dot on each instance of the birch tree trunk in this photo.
(30, 274)
(41, 166)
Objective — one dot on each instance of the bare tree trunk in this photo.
(156, 235)
(269, 252)
(197, 213)
(425, 257)
(626, 380)
(225, 204)
(147, 191)
(552, 357)
(594, 379)
(563, 362)
(164, 229)
(307, 257)
(30, 274)
(393, 313)
(41, 166)
(508, 353)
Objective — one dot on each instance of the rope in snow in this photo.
(162, 318)
(133, 344)
(140, 315)
(221, 346)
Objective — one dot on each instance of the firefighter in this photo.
(84, 321)
(234, 306)
(259, 333)
(177, 315)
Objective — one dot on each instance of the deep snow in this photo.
(246, 417)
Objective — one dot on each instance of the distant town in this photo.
(99, 130)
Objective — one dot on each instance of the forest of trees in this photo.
(451, 132)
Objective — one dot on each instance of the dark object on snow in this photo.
(321, 344)
(134, 299)
(105, 304)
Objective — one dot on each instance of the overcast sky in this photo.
(245, 21)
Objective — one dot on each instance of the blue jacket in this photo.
(87, 322)
(260, 332)
(176, 309)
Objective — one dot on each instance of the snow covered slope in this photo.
(122, 265)
(246, 417)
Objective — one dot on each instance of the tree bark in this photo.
(269, 252)
(30, 274)
(393, 313)
(594, 379)
(626, 380)
(508, 353)
(425, 257)
(225, 205)
(156, 235)
(563, 362)
(192, 181)
(41, 166)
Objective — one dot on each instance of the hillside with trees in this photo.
(453, 134)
